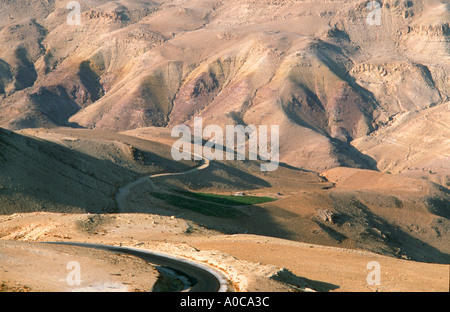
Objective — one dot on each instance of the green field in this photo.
(206, 208)
(212, 204)
(230, 200)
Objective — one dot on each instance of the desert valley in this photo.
(359, 92)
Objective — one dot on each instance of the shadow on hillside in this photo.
(396, 239)
(38, 175)
(218, 175)
(302, 283)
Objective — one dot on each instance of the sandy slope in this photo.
(44, 268)
(252, 263)
(428, 157)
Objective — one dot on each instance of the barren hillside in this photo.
(72, 174)
(316, 68)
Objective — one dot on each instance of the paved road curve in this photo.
(202, 278)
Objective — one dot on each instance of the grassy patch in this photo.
(205, 208)
(228, 199)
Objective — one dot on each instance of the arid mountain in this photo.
(319, 69)
(360, 91)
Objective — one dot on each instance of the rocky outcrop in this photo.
(114, 16)
(442, 30)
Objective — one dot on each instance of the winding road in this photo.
(121, 197)
(201, 278)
